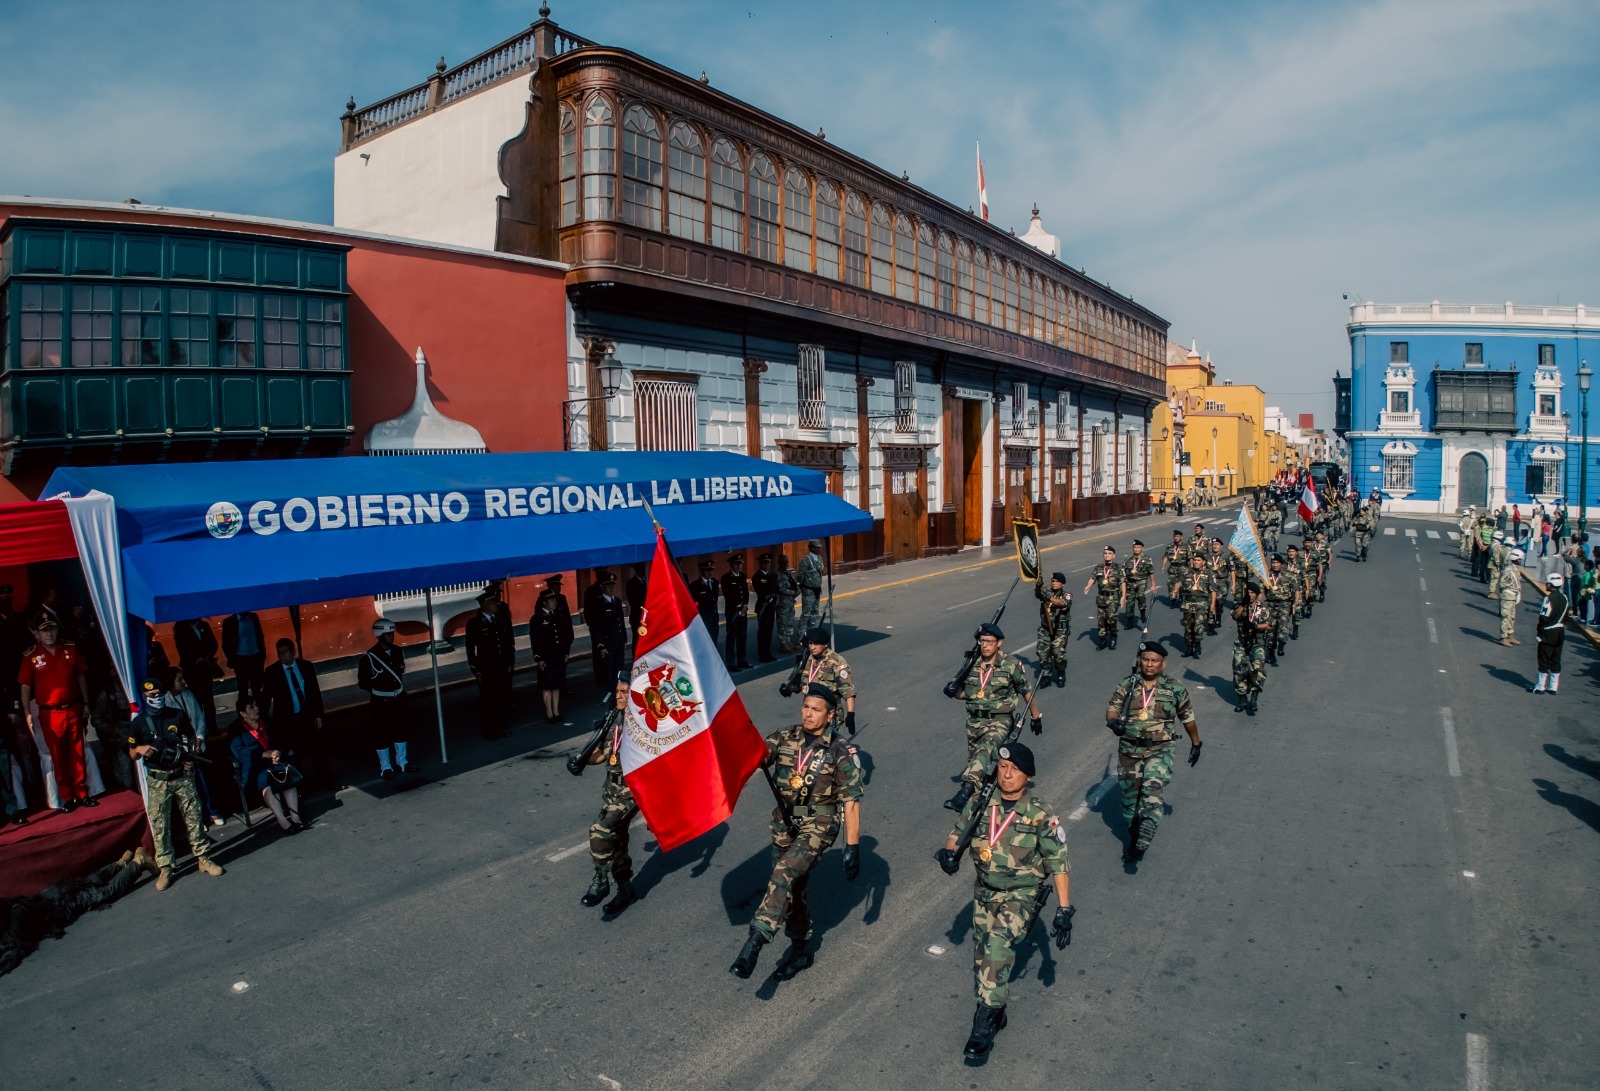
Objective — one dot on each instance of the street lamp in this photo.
(610, 374)
(1213, 462)
(1584, 376)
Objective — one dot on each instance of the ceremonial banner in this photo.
(1027, 535)
(688, 745)
(1246, 543)
(1308, 501)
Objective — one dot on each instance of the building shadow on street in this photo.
(1582, 809)
(1587, 766)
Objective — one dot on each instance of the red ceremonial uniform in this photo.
(53, 679)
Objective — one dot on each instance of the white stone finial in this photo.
(422, 429)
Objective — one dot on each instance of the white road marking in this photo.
(935, 949)
(1423, 582)
(1452, 759)
(573, 850)
(1433, 633)
(615, 1085)
(1477, 1063)
(1388, 530)
(1470, 874)
(1455, 536)
(974, 602)
(1411, 532)
(1026, 648)
(1433, 534)
(1092, 800)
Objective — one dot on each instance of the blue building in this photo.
(1448, 405)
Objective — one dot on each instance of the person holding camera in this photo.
(162, 737)
(265, 767)
(822, 666)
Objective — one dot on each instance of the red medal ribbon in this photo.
(994, 816)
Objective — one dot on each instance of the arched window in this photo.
(905, 260)
(599, 160)
(927, 265)
(569, 166)
(856, 245)
(947, 274)
(1025, 306)
(797, 220)
(1040, 287)
(827, 230)
(727, 196)
(964, 279)
(686, 182)
(980, 286)
(882, 251)
(764, 208)
(641, 169)
(1013, 298)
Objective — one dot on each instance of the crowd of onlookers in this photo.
(1549, 534)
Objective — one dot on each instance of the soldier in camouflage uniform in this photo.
(1510, 589)
(1145, 712)
(1271, 526)
(163, 737)
(1299, 575)
(819, 782)
(1469, 520)
(1197, 540)
(1019, 852)
(1362, 525)
(1321, 554)
(1219, 566)
(1055, 626)
(1175, 563)
(810, 579)
(1110, 593)
(1198, 597)
(788, 592)
(991, 690)
(1250, 650)
(821, 665)
(1281, 602)
(608, 837)
(1497, 561)
(1139, 583)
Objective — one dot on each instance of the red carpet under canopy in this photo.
(54, 846)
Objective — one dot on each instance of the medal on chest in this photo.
(983, 679)
(986, 852)
(1145, 697)
(802, 763)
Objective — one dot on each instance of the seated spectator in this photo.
(266, 768)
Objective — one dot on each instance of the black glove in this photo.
(1194, 754)
(951, 689)
(852, 862)
(1117, 728)
(784, 690)
(1061, 927)
(1037, 725)
(948, 860)
(850, 722)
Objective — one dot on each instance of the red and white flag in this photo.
(983, 189)
(688, 745)
(1308, 501)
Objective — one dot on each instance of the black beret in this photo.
(817, 635)
(1058, 577)
(1110, 549)
(151, 685)
(989, 628)
(1153, 646)
(1137, 542)
(1020, 756)
(827, 693)
(1279, 558)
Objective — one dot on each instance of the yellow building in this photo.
(1221, 428)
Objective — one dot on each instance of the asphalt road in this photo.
(1385, 880)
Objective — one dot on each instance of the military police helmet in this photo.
(381, 626)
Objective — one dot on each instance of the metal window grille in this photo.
(666, 415)
(1019, 404)
(1547, 356)
(1063, 408)
(1397, 472)
(905, 397)
(1130, 475)
(1097, 458)
(808, 379)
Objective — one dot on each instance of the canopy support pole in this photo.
(827, 557)
(433, 654)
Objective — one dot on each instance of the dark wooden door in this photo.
(972, 452)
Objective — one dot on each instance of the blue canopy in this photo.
(202, 539)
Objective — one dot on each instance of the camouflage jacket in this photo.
(1279, 590)
(1107, 583)
(1317, 556)
(787, 587)
(1054, 617)
(809, 574)
(824, 764)
(992, 692)
(1363, 522)
(1497, 554)
(1509, 586)
(1253, 622)
(1220, 566)
(1029, 848)
(1177, 558)
(611, 748)
(1136, 572)
(1156, 720)
(829, 670)
(1196, 588)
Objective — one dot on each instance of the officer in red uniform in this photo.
(55, 692)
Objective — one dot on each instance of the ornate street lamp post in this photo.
(1584, 378)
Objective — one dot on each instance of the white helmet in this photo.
(381, 626)
(1515, 555)
(1556, 579)
(1499, 535)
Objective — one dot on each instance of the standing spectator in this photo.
(492, 655)
(735, 611)
(244, 649)
(788, 593)
(1545, 527)
(162, 736)
(765, 584)
(704, 591)
(265, 765)
(810, 578)
(1586, 592)
(55, 695)
(197, 656)
(179, 696)
(1516, 524)
(382, 673)
(292, 700)
(544, 634)
(1501, 518)
(608, 630)
(1558, 526)
(591, 608)
(564, 614)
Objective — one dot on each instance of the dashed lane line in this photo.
(1455, 536)
(573, 850)
(973, 602)
(1433, 633)
(1452, 758)
(1477, 1063)
(1092, 800)
(1423, 582)
(1433, 534)
(1388, 530)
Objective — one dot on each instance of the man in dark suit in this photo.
(591, 607)
(291, 700)
(197, 657)
(608, 630)
(244, 650)
(705, 593)
(492, 655)
(735, 607)
(765, 583)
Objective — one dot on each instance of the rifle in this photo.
(953, 687)
(580, 761)
(991, 780)
(783, 808)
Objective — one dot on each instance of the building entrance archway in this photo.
(1472, 481)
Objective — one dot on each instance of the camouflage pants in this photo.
(1000, 922)
(1269, 542)
(1193, 614)
(1494, 574)
(983, 740)
(1508, 618)
(1142, 773)
(1282, 620)
(608, 837)
(810, 610)
(1052, 650)
(788, 640)
(1106, 617)
(1138, 603)
(161, 791)
(1249, 667)
(793, 857)
(1466, 546)
(1363, 539)
(1173, 578)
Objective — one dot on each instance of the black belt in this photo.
(815, 810)
(1140, 740)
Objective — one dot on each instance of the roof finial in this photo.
(439, 68)
(704, 78)
(350, 106)
(1036, 210)
(544, 11)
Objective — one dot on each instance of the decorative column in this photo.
(753, 370)
(863, 442)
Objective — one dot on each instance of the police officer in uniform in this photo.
(163, 738)
(1250, 650)
(1109, 594)
(1055, 627)
(765, 584)
(819, 783)
(735, 608)
(1144, 714)
(991, 690)
(822, 666)
(608, 837)
(382, 673)
(1019, 852)
(491, 656)
(1552, 632)
(1139, 583)
(608, 628)
(705, 592)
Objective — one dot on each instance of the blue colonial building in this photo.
(1448, 405)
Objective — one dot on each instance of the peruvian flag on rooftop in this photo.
(688, 745)
(1308, 500)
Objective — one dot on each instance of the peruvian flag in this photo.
(1308, 502)
(983, 188)
(688, 745)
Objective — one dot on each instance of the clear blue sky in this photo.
(1235, 166)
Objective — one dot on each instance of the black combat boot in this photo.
(1131, 854)
(1255, 697)
(986, 1023)
(1061, 679)
(1045, 681)
(626, 896)
(798, 957)
(598, 888)
(1113, 640)
(1197, 649)
(745, 964)
(959, 800)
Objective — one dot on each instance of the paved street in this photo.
(1388, 879)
